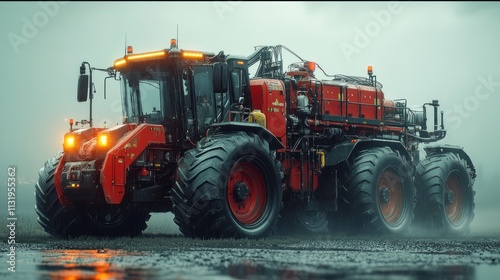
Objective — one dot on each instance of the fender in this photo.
(274, 143)
(341, 152)
(446, 148)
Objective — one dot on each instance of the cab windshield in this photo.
(179, 98)
(143, 96)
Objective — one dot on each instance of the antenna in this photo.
(177, 35)
(125, 43)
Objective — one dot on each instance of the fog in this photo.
(419, 51)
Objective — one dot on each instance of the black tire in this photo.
(296, 219)
(119, 220)
(229, 186)
(314, 222)
(57, 220)
(445, 204)
(380, 192)
(72, 221)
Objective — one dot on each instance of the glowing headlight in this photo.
(102, 140)
(69, 142)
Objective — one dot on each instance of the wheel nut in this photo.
(385, 195)
(449, 197)
(240, 192)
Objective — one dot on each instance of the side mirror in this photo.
(83, 88)
(220, 77)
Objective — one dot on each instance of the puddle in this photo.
(248, 270)
(247, 263)
(90, 264)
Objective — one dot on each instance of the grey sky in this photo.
(419, 51)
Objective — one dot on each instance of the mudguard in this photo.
(341, 152)
(274, 143)
(446, 148)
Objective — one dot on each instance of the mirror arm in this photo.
(91, 94)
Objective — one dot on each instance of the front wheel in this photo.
(228, 186)
(55, 219)
(76, 220)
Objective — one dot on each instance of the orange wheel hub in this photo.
(390, 196)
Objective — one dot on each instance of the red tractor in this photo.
(238, 156)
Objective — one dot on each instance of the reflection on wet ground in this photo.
(163, 253)
(89, 264)
(255, 263)
(251, 271)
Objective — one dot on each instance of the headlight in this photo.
(102, 140)
(69, 142)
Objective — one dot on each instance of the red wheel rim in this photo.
(390, 196)
(453, 204)
(246, 192)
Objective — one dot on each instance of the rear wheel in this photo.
(446, 200)
(380, 193)
(228, 186)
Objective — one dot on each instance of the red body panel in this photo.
(352, 101)
(114, 134)
(294, 170)
(269, 96)
(344, 104)
(127, 142)
(122, 155)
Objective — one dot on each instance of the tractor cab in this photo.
(173, 88)
(186, 92)
(175, 97)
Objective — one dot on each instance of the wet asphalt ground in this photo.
(162, 253)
